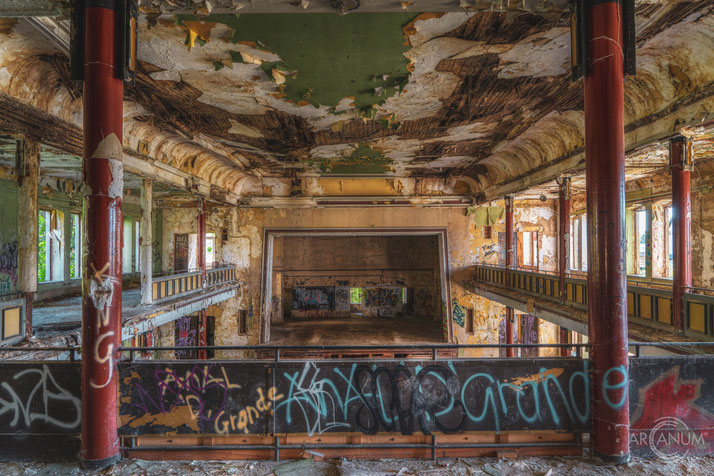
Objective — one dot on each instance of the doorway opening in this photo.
(350, 288)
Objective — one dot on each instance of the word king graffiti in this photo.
(366, 397)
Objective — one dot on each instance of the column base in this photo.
(97, 464)
(612, 459)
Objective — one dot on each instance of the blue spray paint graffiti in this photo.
(458, 312)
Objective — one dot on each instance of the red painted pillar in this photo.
(101, 287)
(201, 241)
(681, 227)
(201, 262)
(510, 352)
(563, 234)
(564, 351)
(605, 183)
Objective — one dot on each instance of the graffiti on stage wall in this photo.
(383, 296)
(342, 298)
(424, 302)
(313, 298)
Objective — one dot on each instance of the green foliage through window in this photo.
(356, 296)
(41, 248)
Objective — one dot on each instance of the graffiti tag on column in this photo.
(101, 290)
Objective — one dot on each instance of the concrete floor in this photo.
(68, 311)
(530, 466)
(357, 330)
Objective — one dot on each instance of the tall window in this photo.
(75, 248)
(527, 249)
(136, 261)
(669, 241)
(126, 260)
(50, 246)
(575, 243)
(210, 249)
(583, 242)
(356, 296)
(529, 243)
(641, 241)
(42, 265)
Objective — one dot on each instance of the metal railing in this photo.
(433, 349)
(276, 349)
(648, 303)
(182, 284)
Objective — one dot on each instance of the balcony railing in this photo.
(647, 304)
(182, 284)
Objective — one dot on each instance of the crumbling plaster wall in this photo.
(536, 215)
(185, 220)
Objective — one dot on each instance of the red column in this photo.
(605, 182)
(681, 228)
(510, 352)
(563, 234)
(201, 262)
(101, 288)
(564, 351)
(201, 246)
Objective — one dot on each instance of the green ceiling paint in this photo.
(335, 56)
(362, 160)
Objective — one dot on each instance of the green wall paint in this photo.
(8, 237)
(335, 56)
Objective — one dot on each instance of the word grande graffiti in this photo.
(318, 397)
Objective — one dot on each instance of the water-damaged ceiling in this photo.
(230, 95)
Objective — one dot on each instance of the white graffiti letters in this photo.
(38, 404)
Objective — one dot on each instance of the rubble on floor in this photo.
(529, 466)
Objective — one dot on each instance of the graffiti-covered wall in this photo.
(40, 411)
(366, 397)
(671, 400)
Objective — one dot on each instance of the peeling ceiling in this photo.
(234, 97)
